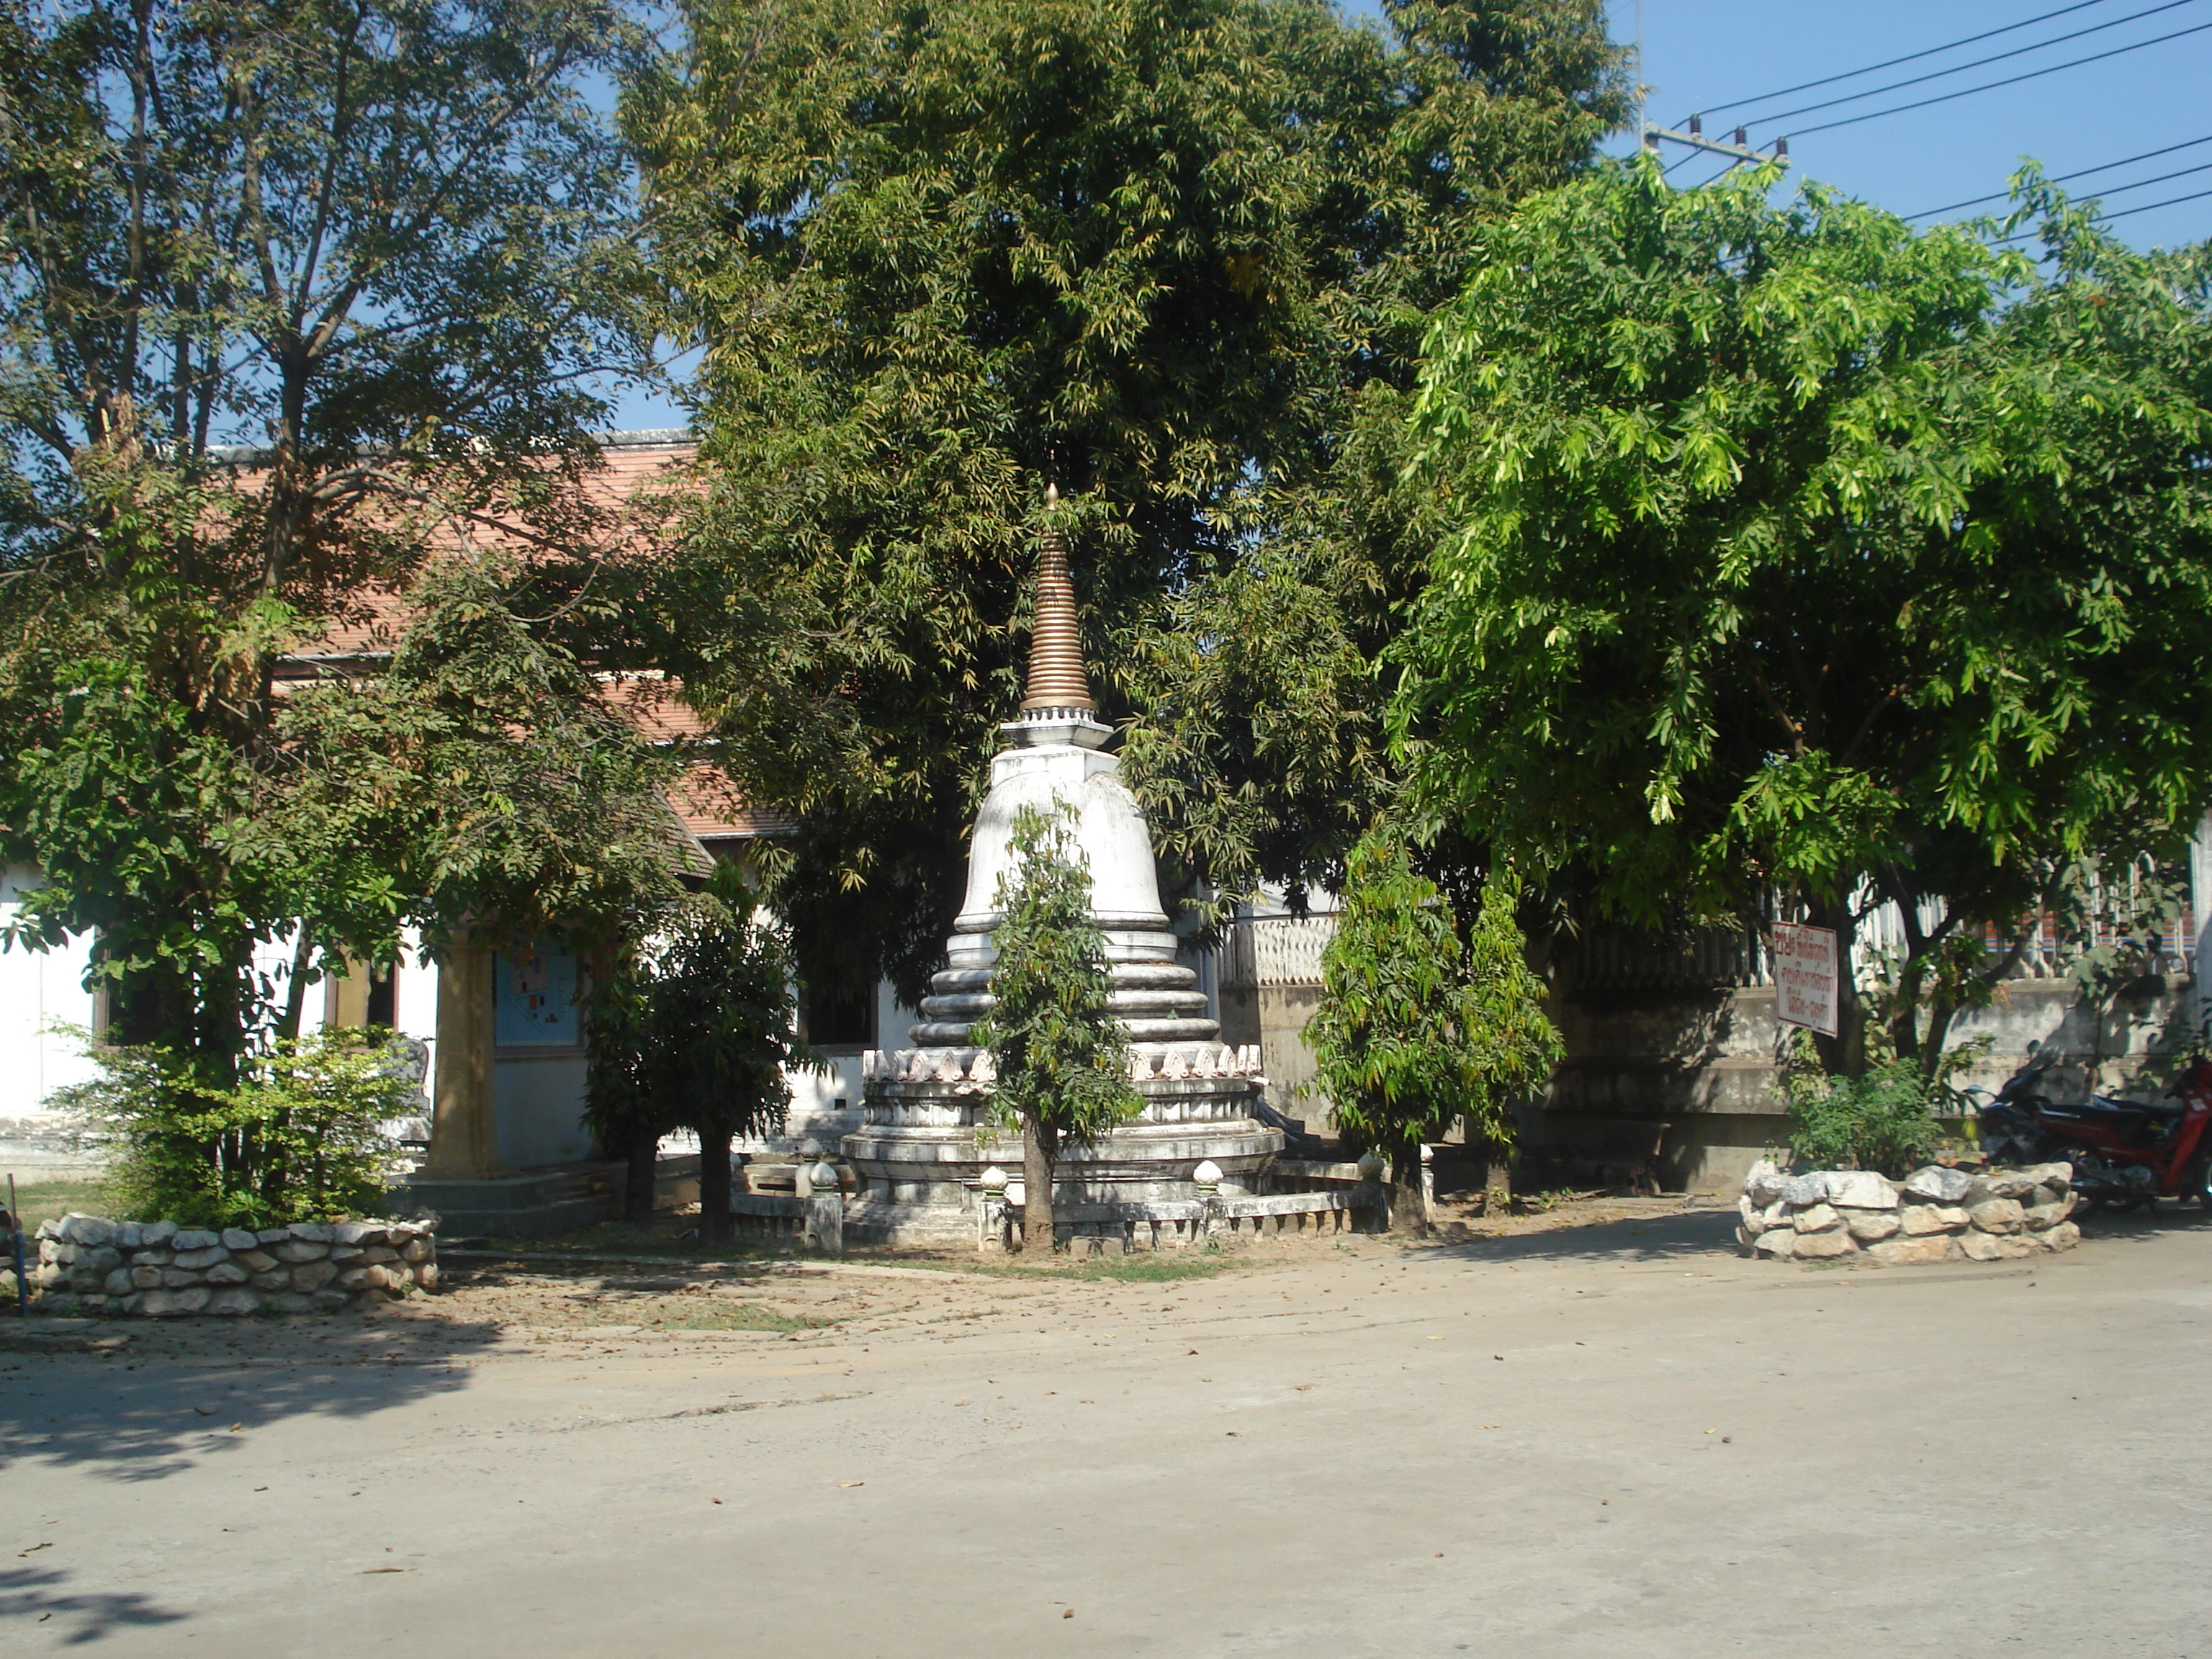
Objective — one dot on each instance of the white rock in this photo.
(1816, 1245)
(162, 1304)
(2043, 1217)
(1870, 1226)
(1754, 1219)
(2050, 1175)
(1778, 1242)
(1801, 1190)
(1764, 1182)
(88, 1229)
(1861, 1189)
(1922, 1219)
(1818, 1218)
(2064, 1236)
(1997, 1215)
(2001, 1183)
(1906, 1251)
(1935, 1181)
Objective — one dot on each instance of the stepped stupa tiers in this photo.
(924, 1141)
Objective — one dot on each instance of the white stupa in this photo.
(924, 1140)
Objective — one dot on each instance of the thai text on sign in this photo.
(1805, 976)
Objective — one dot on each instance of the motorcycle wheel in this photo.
(2081, 1154)
(2197, 1180)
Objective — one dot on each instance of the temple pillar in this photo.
(463, 1117)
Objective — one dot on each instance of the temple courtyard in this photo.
(1598, 1435)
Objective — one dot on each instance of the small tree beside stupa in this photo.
(1061, 1055)
(1415, 1029)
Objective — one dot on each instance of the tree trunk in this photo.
(715, 1224)
(1497, 1179)
(1409, 1209)
(1039, 1148)
(642, 1158)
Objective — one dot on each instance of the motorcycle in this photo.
(2125, 1152)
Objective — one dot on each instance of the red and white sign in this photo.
(1805, 976)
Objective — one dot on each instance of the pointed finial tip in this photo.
(1052, 495)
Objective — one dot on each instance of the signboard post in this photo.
(1805, 972)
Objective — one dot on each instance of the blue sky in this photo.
(1701, 54)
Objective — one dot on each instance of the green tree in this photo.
(624, 1104)
(1062, 1058)
(698, 1030)
(286, 294)
(1791, 548)
(1414, 1030)
(298, 1140)
(1154, 252)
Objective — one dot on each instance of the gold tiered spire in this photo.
(1056, 676)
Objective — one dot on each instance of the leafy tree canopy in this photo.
(1162, 254)
(1415, 1029)
(286, 294)
(1790, 547)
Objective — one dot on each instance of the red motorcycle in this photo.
(2123, 1151)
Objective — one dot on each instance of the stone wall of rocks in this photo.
(1934, 1214)
(156, 1269)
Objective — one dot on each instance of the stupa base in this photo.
(921, 1186)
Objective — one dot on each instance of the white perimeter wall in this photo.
(37, 988)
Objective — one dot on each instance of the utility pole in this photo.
(1694, 138)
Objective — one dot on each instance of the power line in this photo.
(2102, 218)
(1991, 86)
(2148, 207)
(1960, 69)
(1911, 57)
(2064, 178)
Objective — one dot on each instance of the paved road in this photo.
(1608, 1442)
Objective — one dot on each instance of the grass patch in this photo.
(1149, 1268)
(693, 1316)
(50, 1200)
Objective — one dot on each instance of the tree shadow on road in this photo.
(1687, 1236)
(177, 1395)
(32, 1595)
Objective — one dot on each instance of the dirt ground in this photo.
(1598, 1433)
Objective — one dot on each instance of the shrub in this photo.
(297, 1140)
(1884, 1120)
